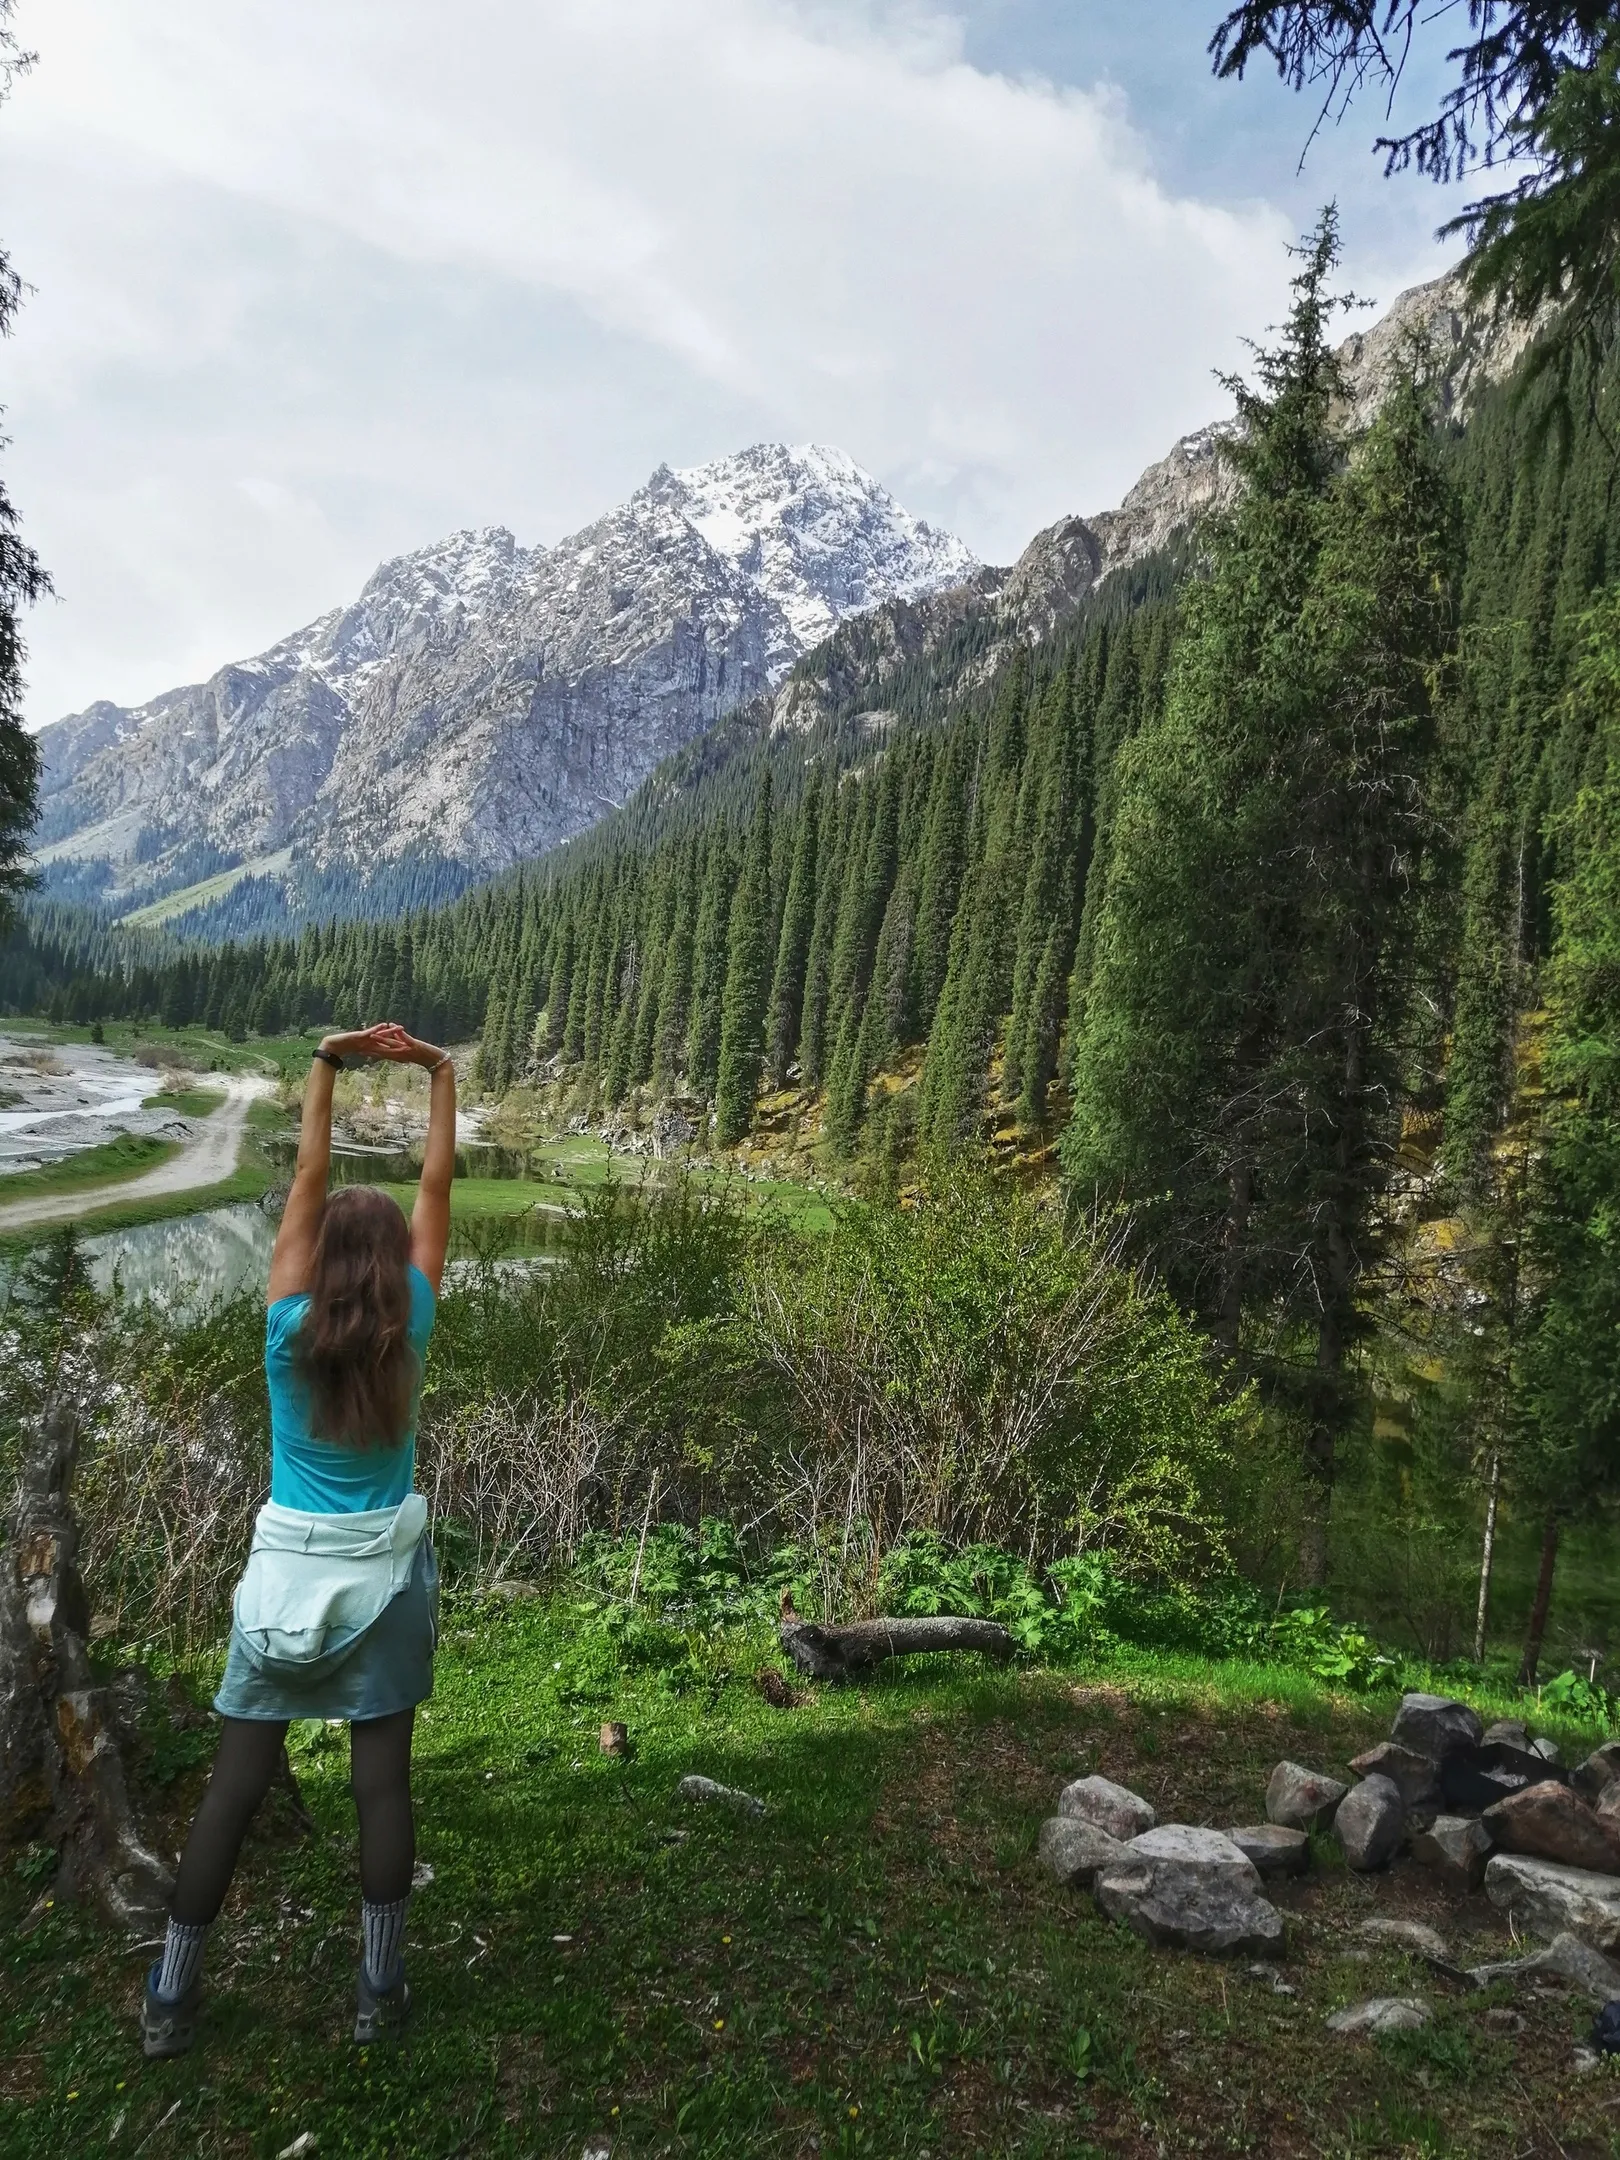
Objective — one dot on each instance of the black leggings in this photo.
(244, 1769)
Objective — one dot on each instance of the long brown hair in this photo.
(354, 1350)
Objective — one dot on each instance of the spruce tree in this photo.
(1258, 948)
(944, 852)
(709, 949)
(22, 581)
(1567, 1382)
(675, 987)
(860, 918)
(1058, 846)
(786, 1008)
(978, 974)
(846, 820)
(747, 986)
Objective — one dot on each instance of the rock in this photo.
(1302, 1799)
(1370, 1822)
(1414, 1776)
(1382, 2014)
(1475, 1778)
(1608, 1803)
(1548, 1750)
(1567, 1958)
(1073, 1850)
(1600, 1769)
(1407, 1935)
(1552, 1900)
(1190, 1890)
(1552, 1823)
(1435, 1725)
(1456, 1847)
(1122, 1813)
(1273, 1848)
(707, 1792)
(1184, 1845)
(1513, 1730)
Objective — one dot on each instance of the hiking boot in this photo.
(168, 2028)
(380, 2013)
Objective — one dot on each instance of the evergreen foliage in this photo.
(1568, 1378)
(1259, 949)
(1537, 85)
(22, 580)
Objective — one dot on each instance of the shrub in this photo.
(973, 1367)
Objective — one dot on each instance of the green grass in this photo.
(249, 1182)
(187, 1102)
(127, 1155)
(581, 1159)
(205, 890)
(251, 1179)
(493, 1197)
(197, 1048)
(877, 1968)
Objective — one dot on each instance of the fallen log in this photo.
(835, 1653)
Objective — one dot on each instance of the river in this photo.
(59, 1098)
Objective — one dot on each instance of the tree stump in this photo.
(835, 1653)
(61, 1770)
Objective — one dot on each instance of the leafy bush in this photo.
(1085, 1604)
(1583, 1702)
(970, 1365)
(890, 1410)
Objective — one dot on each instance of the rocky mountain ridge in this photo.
(1462, 352)
(482, 702)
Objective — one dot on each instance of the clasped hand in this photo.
(387, 1039)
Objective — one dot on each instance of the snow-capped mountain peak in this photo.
(813, 530)
(478, 701)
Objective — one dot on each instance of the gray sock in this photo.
(383, 1928)
(182, 1960)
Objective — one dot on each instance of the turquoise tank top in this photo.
(317, 1475)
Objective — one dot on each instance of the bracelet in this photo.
(329, 1057)
(443, 1062)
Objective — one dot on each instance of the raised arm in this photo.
(294, 1251)
(430, 1218)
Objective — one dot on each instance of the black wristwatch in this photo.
(331, 1058)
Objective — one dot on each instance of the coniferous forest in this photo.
(1265, 897)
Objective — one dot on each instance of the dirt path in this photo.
(207, 1157)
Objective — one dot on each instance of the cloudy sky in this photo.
(316, 281)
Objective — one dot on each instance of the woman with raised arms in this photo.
(336, 1615)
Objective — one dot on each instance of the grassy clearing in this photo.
(205, 890)
(186, 1102)
(492, 1198)
(194, 1049)
(876, 1968)
(581, 1159)
(126, 1155)
(249, 1182)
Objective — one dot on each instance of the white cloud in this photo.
(318, 279)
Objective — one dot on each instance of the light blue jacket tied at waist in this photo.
(314, 1584)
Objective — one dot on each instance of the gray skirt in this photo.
(389, 1669)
